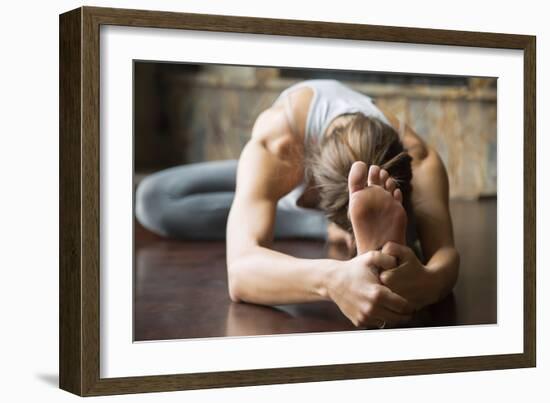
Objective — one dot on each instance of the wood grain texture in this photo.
(141, 384)
(530, 203)
(70, 273)
(90, 201)
(79, 199)
(180, 287)
(316, 29)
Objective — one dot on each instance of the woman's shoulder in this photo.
(417, 148)
(412, 142)
(273, 131)
(287, 115)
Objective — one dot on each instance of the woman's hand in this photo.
(355, 287)
(410, 278)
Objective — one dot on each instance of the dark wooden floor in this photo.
(181, 287)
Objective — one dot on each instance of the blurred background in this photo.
(186, 113)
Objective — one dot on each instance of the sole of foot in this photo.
(375, 208)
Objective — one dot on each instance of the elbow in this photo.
(446, 269)
(234, 293)
(240, 275)
(234, 285)
(455, 266)
(456, 258)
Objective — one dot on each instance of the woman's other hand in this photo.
(409, 278)
(355, 287)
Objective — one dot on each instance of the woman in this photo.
(321, 153)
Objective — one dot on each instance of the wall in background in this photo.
(189, 113)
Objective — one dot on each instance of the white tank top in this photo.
(330, 99)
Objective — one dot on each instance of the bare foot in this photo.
(376, 212)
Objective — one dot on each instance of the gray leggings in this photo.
(193, 201)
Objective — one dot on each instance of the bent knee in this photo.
(149, 202)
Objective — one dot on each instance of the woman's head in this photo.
(364, 139)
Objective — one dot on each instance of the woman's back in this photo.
(330, 99)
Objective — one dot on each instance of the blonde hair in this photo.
(361, 138)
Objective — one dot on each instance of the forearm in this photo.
(443, 266)
(265, 276)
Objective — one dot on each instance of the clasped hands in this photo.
(382, 288)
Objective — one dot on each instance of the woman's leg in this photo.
(193, 201)
(308, 224)
(188, 201)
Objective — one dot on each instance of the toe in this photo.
(374, 175)
(357, 176)
(384, 175)
(397, 195)
(390, 185)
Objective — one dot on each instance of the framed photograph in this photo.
(249, 201)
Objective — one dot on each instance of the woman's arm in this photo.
(255, 272)
(427, 284)
(435, 228)
(268, 169)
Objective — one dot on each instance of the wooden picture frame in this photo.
(79, 200)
